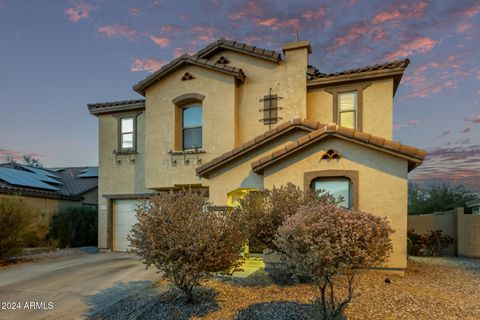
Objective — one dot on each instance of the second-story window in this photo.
(127, 133)
(192, 127)
(347, 109)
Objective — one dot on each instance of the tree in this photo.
(264, 212)
(430, 198)
(31, 161)
(15, 227)
(179, 234)
(326, 242)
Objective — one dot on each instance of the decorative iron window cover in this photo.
(270, 109)
(187, 156)
(330, 154)
(222, 60)
(187, 76)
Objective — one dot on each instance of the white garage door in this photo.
(123, 220)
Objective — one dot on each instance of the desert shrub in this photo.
(414, 243)
(264, 212)
(15, 227)
(179, 234)
(430, 244)
(75, 226)
(326, 242)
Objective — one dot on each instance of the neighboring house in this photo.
(234, 118)
(46, 191)
(474, 206)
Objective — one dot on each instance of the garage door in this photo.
(123, 220)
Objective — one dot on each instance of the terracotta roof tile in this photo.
(186, 59)
(223, 44)
(352, 135)
(397, 64)
(303, 124)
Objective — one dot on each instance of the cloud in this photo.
(419, 44)
(475, 118)
(146, 64)
(78, 11)
(444, 133)
(410, 123)
(457, 164)
(118, 31)
(170, 29)
(248, 9)
(466, 130)
(202, 34)
(379, 35)
(9, 154)
(134, 11)
(315, 14)
(161, 41)
(275, 23)
(349, 35)
(400, 12)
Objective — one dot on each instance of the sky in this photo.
(57, 56)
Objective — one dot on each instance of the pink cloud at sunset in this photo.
(401, 12)
(15, 155)
(79, 11)
(410, 123)
(475, 118)
(134, 11)
(315, 13)
(275, 23)
(147, 64)
(118, 31)
(413, 46)
(161, 41)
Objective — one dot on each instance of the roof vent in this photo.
(187, 76)
(222, 60)
(330, 154)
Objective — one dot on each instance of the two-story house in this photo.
(234, 118)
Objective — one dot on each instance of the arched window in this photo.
(192, 127)
(340, 188)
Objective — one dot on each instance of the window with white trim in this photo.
(127, 133)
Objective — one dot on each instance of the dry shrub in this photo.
(264, 212)
(179, 234)
(325, 242)
(15, 227)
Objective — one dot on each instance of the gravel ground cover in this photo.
(433, 288)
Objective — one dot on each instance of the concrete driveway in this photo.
(71, 288)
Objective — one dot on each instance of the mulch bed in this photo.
(433, 288)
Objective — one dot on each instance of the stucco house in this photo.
(233, 118)
(47, 190)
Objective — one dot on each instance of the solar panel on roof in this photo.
(41, 171)
(89, 173)
(25, 179)
(44, 175)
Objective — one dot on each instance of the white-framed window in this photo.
(192, 127)
(348, 109)
(339, 188)
(127, 133)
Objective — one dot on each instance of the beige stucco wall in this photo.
(238, 173)
(377, 112)
(126, 177)
(382, 185)
(218, 124)
(287, 79)
(445, 221)
(468, 234)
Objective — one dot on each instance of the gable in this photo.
(413, 155)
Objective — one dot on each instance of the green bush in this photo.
(75, 226)
(14, 227)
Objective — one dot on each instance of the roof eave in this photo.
(112, 109)
(143, 85)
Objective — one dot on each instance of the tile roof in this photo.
(187, 59)
(302, 124)
(69, 183)
(414, 155)
(222, 44)
(123, 105)
(398, 64)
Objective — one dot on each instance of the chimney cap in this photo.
(297, 45)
